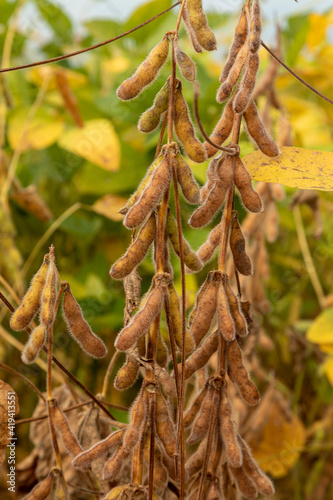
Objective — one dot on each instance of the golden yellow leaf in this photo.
(317, 31)
(116, 65)
(328, 348)
(294, 167)
(109, 206)
(280, 443)
(38, 133)
(97, 142)
(39, 74)
(321, 330)
(327, 367)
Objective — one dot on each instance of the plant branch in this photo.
(27, 381)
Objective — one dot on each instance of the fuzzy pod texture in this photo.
(127, 375)
(244, 482)
(258, 132)
(164, 426)
(186, 65)
(146, 72)
(240, 374)
(255, 28)
(79, 328)
(205, 313)
(204, 214)
(199, 296)
(202, 355)
(62, 426)
(142, 320)
(161, 475)
(34, 345)
(114, 465)
(31, 301)
(161, 352)
(190, 31)
(151, 118)
(250, 466)
(187, 182)
(207, 249)
(138, 418)
(250, 198)
(240, 37)
(222, 130)
(214, 493)
(84, 460)
(198, 21)
(144, 183)
(137, 250)
(225, 319)
(41, 491)
(185, 131)
(195, 462)
(236, 310)
(176, 320)
(230, 82)
(49, 296)
(151, 194)
(200, 427)
(237, 244)
(243, 97)
(191, 259)
(229, 433)
(195, 405)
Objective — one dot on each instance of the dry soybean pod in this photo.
(160, 472)
(272, 223)
(240, 374)
(237, 245)
(142, 320)
(185, 131)
(144, 183)
(228, 85)
(244, 482)
(225, 320)
(31, 301)
(262, 482)
(206, 251)
(205, 313)
(195, 406)
(198, 21)
(186, 65)
(196, 45)
(243, 97)
(164, 425)
(42, 490)
(150, 195)
(176, 320)
(188, 184)
(236, 310)
(258, 132)
(191, 259)
(79, 328)
(113, 466)
(49, 295)
(84, 460)
(137, 250)
(200, 427)
(240, 37)
(202, 355)
(151, 118)
(250, 198)
(200, 294)
(138, 419)
(161, 352)
(196, 460)
(255, 28)
(223, 128)
(127, 374)
(228, 432)
(34, 345)
(146, 72)
(62, 426)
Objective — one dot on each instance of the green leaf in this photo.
(142, 14)
(55, 17)
(295, 167)
(103, 29)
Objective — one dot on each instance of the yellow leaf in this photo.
(321, 330)
(278, 446)
(294, 167)
(327, 348)
(97, 142)
(39, 74)
(116, 65)
(109, 206)
(327, 367)
(317, 31)
(38, 133)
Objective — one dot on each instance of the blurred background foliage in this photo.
(64, 132)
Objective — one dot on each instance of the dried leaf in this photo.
(29, 199)
(294, 167)
(109, 206)
(96, 142)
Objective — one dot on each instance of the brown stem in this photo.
(77, 52)
(160, 140)
(172, 342)
(161, 231)
(171, 108)
(49, 362)
(27, 381)
(51, 402)
(180, 15)
(152, 400)
(108, 372)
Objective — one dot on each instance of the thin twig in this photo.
(92, 47)
(27, 381)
